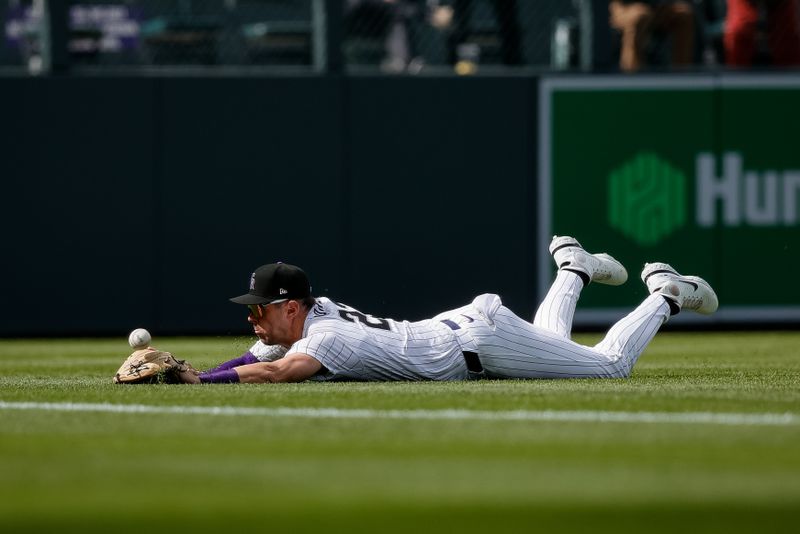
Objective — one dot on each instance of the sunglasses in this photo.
(257, 311)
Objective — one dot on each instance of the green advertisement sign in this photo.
(702, 172)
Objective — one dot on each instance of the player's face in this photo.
(270, 323)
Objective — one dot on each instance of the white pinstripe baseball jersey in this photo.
(354, 346)
(267, 353)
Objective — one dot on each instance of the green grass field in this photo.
(720, 454)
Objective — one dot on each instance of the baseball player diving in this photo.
(306, 338)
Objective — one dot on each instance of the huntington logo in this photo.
(646, 199)
(745, 197)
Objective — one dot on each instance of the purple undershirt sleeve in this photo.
(224, 376)
(244, 359)
(225, 373)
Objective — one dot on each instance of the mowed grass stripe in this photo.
(736, 419)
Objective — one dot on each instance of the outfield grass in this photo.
(95, 471)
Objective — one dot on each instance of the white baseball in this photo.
(139, 339)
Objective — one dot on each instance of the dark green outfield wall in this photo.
(147, 202)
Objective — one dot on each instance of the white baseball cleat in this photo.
(690, 292)
(601, 268)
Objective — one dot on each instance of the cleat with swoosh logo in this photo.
(688, 292)
(601, 268)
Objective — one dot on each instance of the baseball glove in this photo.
(152, 366)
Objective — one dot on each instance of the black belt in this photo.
(473, 362)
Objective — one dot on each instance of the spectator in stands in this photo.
(783, 31)
(387, 21)
(455, 16)
(638, 19)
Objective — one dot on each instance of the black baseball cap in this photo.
(275, 281)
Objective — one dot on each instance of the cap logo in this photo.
(252, 281)
(282, 291)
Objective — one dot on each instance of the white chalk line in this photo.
(736, 419)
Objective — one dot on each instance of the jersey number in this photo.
(357, 317)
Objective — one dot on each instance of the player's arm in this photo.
(292, 368)
(245, 359)
(257, 353)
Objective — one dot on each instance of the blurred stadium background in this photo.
(391, 36)
(408, 154)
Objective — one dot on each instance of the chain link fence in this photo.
(391, 36)
(464, 35)
(167, 32)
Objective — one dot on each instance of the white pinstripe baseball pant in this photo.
(510, 347)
